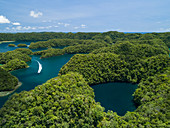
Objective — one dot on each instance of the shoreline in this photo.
(6, 42)
(5, 93)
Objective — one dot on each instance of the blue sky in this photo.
(84, 15)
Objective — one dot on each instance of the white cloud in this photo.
(25, 28)
(167, 30)
(83, 26)
(3, 20)
(47, 21)
(16, 23)
(66, 25)
(76, 27)
(18, 28)
(164, 30)
(41, 27)
(7, 28)
(47, 27)
(60, 23)
(35, 14)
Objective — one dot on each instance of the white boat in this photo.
(40, 67)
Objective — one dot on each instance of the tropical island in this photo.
(68, 99)
(22, 45)
(11, 45)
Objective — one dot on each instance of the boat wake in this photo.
(40, 67)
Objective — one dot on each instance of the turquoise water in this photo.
(29, 76)
(115, 96)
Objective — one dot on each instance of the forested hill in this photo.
(12, 60)
(113, 35)
(44, 36)
(15, 59)
(7, 81)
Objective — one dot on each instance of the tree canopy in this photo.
(7, 81)
(68, 100)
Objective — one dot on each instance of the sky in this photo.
(84, 15)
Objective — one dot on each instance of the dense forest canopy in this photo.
(108, 67)
(22, 45)
(111, 36)
(11, 45)
(12, 60)
(7, 81)
(15, 54)
(79, 48)
(34, 36)
(68, 100)
(145, 47)
(14, 64)
(62, 43)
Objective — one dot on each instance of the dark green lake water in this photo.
(112, 96)
(115, 96)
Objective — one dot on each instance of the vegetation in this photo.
(12, 60)
(68, 100)
(15, 54)
(22, 45)
(121, 62)
(64, 101)
(108, 67)
(147, 46)
(14, 65)
(11, 45)
(50, 52)
(80, 48)
(120, 36)
(24, 51)
(42, 36)
(59, 43)
(84, 48)
(110, 37)
(136, 49)
(15, 59)
(7, 81)
(153, 110)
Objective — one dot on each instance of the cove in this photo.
(29, 76)
(115, 96)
